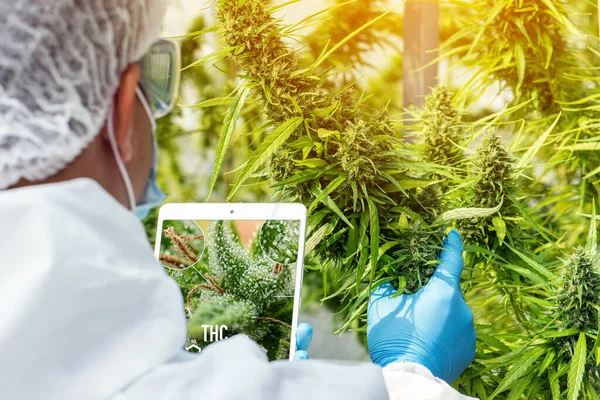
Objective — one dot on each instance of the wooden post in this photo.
(421, 35)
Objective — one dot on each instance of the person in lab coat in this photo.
(86, 310)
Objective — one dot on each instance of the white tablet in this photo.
(239, 267)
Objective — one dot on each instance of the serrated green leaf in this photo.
(331, 204)
(493, 342)
(360, 268)
(403, 222)
(554, 383)
(519, 55)
(325, 133)
(274, 8)
(364, 224)
(374, 231)
(317, 237)
(549, 47)
(596, 347)
(342, 288)
(303, 176)
(526, 215)
(394, 182)
(592, 238)
(302, 23)
(500, 228)
(334, 237)
(383, 249)
(533, 264)
(592, 173)
(535, 387)
(359, 306)
(587, 146)
(301, 143)
(352, 244)
(231, 118)
(219, 101)
(462, 213)
(327, 111)
(547, 362)
(518, 370)
(508, 358)
(401, 286)
(577, 368)
(559, 17)
(212, 57)
(563, 369)
(295, 104)
(591, 391)
(536, 146)
(565, 333)
(312, 163)
(195, 34)
(333, 185)
(527, 273)
(266, 149)
(405, 184)
(518, 389)
(480, 389)
(494, 12)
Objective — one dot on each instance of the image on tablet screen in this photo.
(235, 277)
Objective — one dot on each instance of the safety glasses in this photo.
(160, 76)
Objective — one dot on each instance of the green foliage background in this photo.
(296, 123)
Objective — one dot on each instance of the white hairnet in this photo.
(60, 65)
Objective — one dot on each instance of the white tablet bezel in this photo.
(244, 212)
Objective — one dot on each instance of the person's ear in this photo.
(124, 103)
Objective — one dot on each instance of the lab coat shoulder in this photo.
(88, 309)
(410, 381)
(237, 368)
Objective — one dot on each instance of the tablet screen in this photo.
(236, 277)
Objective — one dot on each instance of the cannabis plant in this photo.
(345, 161)
(558, 358)
(376, 210)
(248, 290)
(543, 54)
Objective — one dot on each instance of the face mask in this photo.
(153, 196)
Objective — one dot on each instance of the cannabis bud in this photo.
(439, 124)
(415, 260)
(494, 181)
(577, 296)
(494, 171)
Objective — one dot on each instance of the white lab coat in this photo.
(86, 312)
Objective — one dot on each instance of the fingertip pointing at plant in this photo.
(451, 259)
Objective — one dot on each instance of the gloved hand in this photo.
(433, 327)
(303, 338)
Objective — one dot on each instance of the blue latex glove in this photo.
(303, 337)
(433, 327)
